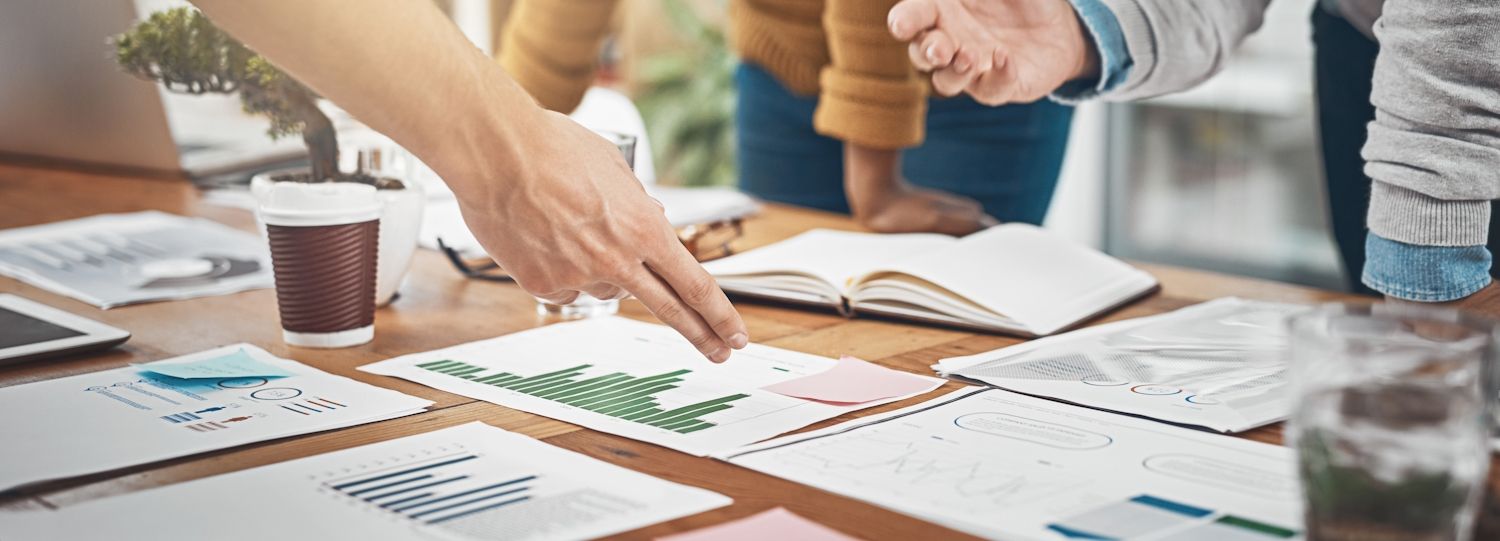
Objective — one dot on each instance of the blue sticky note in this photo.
(234, 365)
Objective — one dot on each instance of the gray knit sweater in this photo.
(1434, 147)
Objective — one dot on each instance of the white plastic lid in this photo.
(301, 204)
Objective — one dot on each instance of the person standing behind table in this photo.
(1433, 150)
(826, 95)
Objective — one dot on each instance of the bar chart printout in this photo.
(472, 481)
(436, 490)
(632, 379)
(617, 395)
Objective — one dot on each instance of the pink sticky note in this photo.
(853, 381)
(777, 523)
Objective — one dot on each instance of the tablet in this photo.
(31, 330)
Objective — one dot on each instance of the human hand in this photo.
(910, 209)
(573, 218)
(1485, 302)
(885, 203)
(999, 51)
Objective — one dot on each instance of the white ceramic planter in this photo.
(400, 222)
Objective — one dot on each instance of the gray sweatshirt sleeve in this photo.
(1176, 44)
(1434, 147)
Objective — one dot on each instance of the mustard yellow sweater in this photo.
(839, 50)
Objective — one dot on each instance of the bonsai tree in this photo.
(186, 53)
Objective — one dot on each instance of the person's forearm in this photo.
(399, 66)
(553, 203)
(1435, 142)
(1176, 44)
(870, 174)
(557, 68)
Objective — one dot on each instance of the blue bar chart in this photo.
(437, 490)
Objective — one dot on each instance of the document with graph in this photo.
(129, 416)
(632, 379)
(1001, 465)
(112, 260)
(1220, 365)
(471, 481)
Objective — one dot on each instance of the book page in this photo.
(1027, 274)
(830, 256)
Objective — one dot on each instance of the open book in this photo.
(1014, 278)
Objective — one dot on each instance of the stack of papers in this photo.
(225, 397)
(1000, 465)
(472, 481)
(1220, 365)
(117, 259)
(639, 380)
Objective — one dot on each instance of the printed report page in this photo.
(1006, 466)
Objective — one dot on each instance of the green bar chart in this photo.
(617, 394)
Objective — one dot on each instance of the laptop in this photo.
(63, 99)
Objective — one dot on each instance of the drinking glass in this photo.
(586, 305)
(1391, 420)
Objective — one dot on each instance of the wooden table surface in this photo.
(439, 308)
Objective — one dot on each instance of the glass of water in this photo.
(1391, 420)
(586, 306)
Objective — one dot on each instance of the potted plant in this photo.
(181, 49)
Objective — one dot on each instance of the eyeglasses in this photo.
(705, 241)
(712, 240)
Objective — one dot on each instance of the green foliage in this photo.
(185, 52)
(279, 98)
(688, 104)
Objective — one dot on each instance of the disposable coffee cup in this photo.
(324, 242)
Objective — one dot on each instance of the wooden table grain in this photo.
(439, 308)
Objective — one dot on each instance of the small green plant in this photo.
(688, 103)
(181, 49)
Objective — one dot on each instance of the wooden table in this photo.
(439, 308)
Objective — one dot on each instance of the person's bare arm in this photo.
(882, 200)
(551, 201)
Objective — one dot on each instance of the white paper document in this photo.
(1001, 465)
(472, 481)
(124, 417)
(1220, 365)
(111, 260)
(632, 379)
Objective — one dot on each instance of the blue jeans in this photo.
(1007, 157)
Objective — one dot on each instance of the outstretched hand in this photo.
(574, 219)
(551, 201)
(998, 51)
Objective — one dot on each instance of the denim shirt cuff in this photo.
(1425, 273)
(1114, 57)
